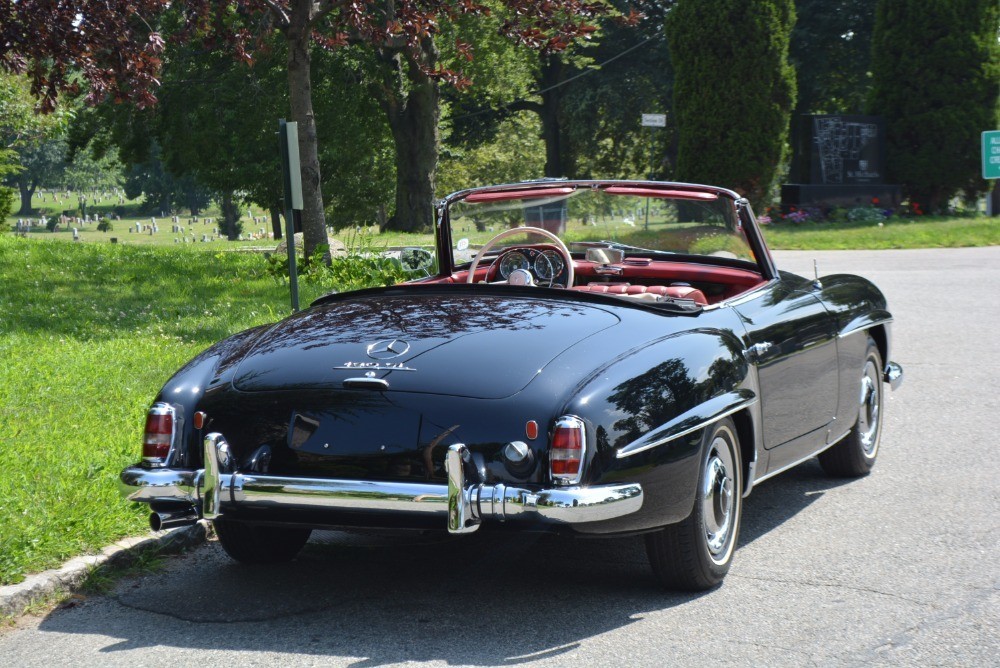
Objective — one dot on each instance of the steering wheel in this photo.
(556, 241)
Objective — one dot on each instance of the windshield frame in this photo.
(673, 190)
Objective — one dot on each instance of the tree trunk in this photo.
(994, 196)
(415, 131)
(552, 73)
(276, 221)
(300, 99)
(413, 111)
(166, 204)
(27, 192)
(231, 226)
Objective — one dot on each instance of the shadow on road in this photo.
(368, 600)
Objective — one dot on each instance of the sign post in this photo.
(652, 121)
(291, 169)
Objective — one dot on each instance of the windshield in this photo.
(642, 221)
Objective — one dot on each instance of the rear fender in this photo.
(647, 412)
(209, 371)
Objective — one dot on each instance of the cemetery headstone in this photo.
(838, 160)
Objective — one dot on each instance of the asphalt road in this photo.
(899, 568)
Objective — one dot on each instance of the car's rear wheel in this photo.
(854, 456)
(254, 544)
(695, 554)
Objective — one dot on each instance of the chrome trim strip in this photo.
(771, 474)
(862, 327)
(625, 452)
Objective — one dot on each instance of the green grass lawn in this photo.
(895, 232)
(89, 333)
(256, 228)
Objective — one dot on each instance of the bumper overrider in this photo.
(462, 506)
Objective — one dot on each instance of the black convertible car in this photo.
(594, 357)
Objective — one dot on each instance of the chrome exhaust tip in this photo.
(163, 521)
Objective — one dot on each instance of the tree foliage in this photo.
(628, 73)
(42, 162)
(116, 46)
(32, 147)
(734, 91)
(831, 51)
(936, 72)
(515, 153)
(7, 197)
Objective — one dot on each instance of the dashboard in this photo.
(545, 265)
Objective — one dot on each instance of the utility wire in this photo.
(590, 70)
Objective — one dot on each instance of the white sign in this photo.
(654, 120)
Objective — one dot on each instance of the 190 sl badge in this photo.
(376, 366)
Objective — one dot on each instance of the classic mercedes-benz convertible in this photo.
(593, 357)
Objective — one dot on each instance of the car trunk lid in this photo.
(470, 345)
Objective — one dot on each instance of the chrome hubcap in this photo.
(718, 496)
(868, 415)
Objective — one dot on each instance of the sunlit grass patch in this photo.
(88, 335)
(894, 232)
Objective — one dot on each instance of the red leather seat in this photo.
(676, 291)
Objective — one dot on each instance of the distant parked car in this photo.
(592, 357)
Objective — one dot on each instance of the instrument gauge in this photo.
(549, 264)
(511, 262)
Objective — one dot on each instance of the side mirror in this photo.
(416, 259)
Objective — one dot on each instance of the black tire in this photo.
(253, 544)
(695, 554)
(854, 455)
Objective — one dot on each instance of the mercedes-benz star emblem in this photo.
(387, 349)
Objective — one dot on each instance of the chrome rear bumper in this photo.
(462, 506)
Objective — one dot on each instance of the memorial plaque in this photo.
(837, 150)
(838, 160)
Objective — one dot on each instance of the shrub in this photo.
(7, 196)
(734, 91)
(865, 214)
(935, 71)
(364, 266)
(105, 226)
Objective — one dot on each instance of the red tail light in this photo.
(159, 434)
(569, 444)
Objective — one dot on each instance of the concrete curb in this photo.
(15, 599)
